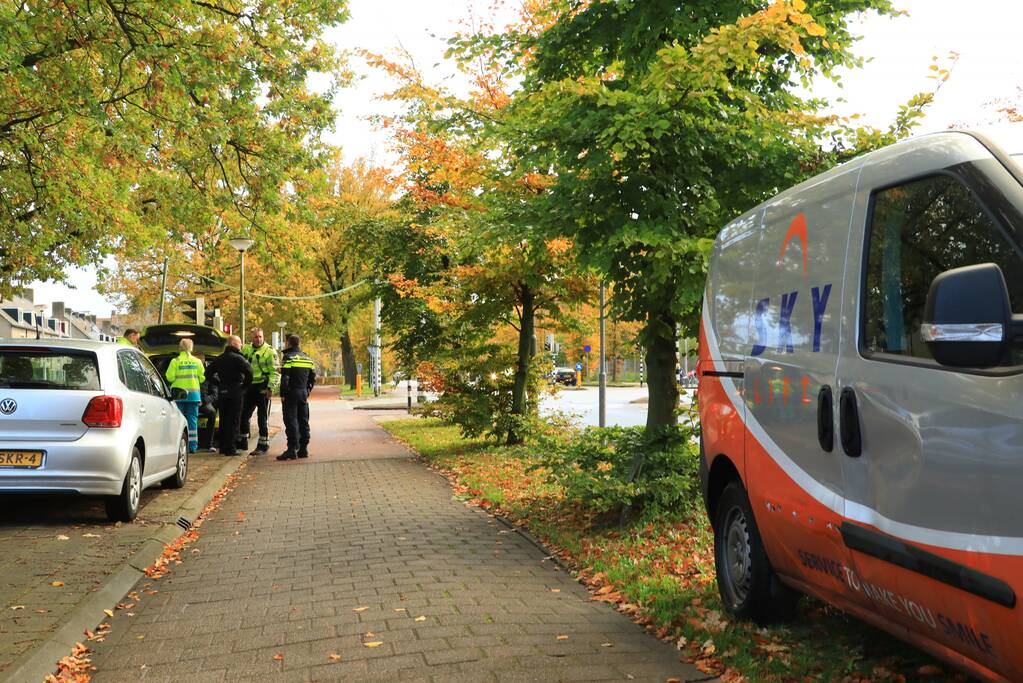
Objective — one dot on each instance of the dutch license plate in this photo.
(27, 459)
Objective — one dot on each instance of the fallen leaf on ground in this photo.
(562, 637)
(607, 644)
(56, 584)
(62, 537)
(360, 609)
(142, 637)
(42, 611)
(279, 657)
(673, 680)
(90, 536)
(108, 612)
(555, 590)
(373, 643)
(16, 607)
(241, 516)
(400, 609)
(334, 657)
(420, 618)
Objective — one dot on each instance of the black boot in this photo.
(242, 443)
(261, 448)
(287, 455)
(303, 452)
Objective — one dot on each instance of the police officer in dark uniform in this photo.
(298, 376)
(234, 376)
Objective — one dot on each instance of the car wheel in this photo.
(748, 585)
(180, 476)
(124, 507)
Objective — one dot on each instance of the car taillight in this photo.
(103, 411)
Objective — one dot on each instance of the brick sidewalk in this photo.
(316, 558)
(67, 539)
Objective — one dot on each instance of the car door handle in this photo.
(142, 409)
(849, 423)
(825, 419)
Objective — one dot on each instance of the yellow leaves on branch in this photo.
(405, 287)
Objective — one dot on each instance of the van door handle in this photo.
(142, 409)
(825, 419)
(849, 423)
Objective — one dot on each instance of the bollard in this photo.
(358, 385)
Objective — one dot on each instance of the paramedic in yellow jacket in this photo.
(186, 375)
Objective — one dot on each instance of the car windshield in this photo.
(37, 368)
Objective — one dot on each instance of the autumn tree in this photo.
(133, 118)
(477, 259)
(660, 123)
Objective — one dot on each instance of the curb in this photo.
(41, 660)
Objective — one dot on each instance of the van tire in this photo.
(748, 586)
(124, 507)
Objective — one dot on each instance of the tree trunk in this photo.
(348, 359)
(527, 326)
(662, 387)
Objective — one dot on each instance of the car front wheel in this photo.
(748, 585)
(124, 507)
(180, 476)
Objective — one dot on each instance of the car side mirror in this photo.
(968, 322)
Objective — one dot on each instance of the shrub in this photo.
(477, 394)
(595, 468)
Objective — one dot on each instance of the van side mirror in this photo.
(968, 322)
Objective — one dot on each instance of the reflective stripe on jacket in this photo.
(298, 372)
(186, 372)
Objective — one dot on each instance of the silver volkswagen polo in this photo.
(87, 417)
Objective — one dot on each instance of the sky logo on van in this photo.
(819, 302)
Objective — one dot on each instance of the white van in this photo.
(861, 397)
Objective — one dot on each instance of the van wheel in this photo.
(180, 476)
(124, 507)
(748, 585)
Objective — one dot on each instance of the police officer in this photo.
(186, 374)
(265, 379)
(298, 376)
(129, 338)
(234, 377)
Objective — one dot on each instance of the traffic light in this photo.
(195, 310)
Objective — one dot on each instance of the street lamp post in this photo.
(242, 244)
(602, 375)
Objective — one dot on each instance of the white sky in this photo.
(985, 33)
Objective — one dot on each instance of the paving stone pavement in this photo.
(309, 559)
(67, 539)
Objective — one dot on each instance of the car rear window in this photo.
(32, 368)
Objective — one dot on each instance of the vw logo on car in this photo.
(8, 406)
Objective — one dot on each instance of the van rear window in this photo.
(35, 368)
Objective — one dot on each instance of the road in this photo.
(583, 403)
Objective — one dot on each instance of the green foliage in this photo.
(478, 391)
(125, 123)
(594, 467)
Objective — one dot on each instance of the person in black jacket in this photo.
(209, 393)
(234, 375)
(298, 377)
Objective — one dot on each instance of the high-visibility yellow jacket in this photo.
(186, 372)
(264, 365)
(124, 341)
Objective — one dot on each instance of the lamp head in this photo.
(242, 244)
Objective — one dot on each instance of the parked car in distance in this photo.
(861, 369)
(87, 417)
(565, 376)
